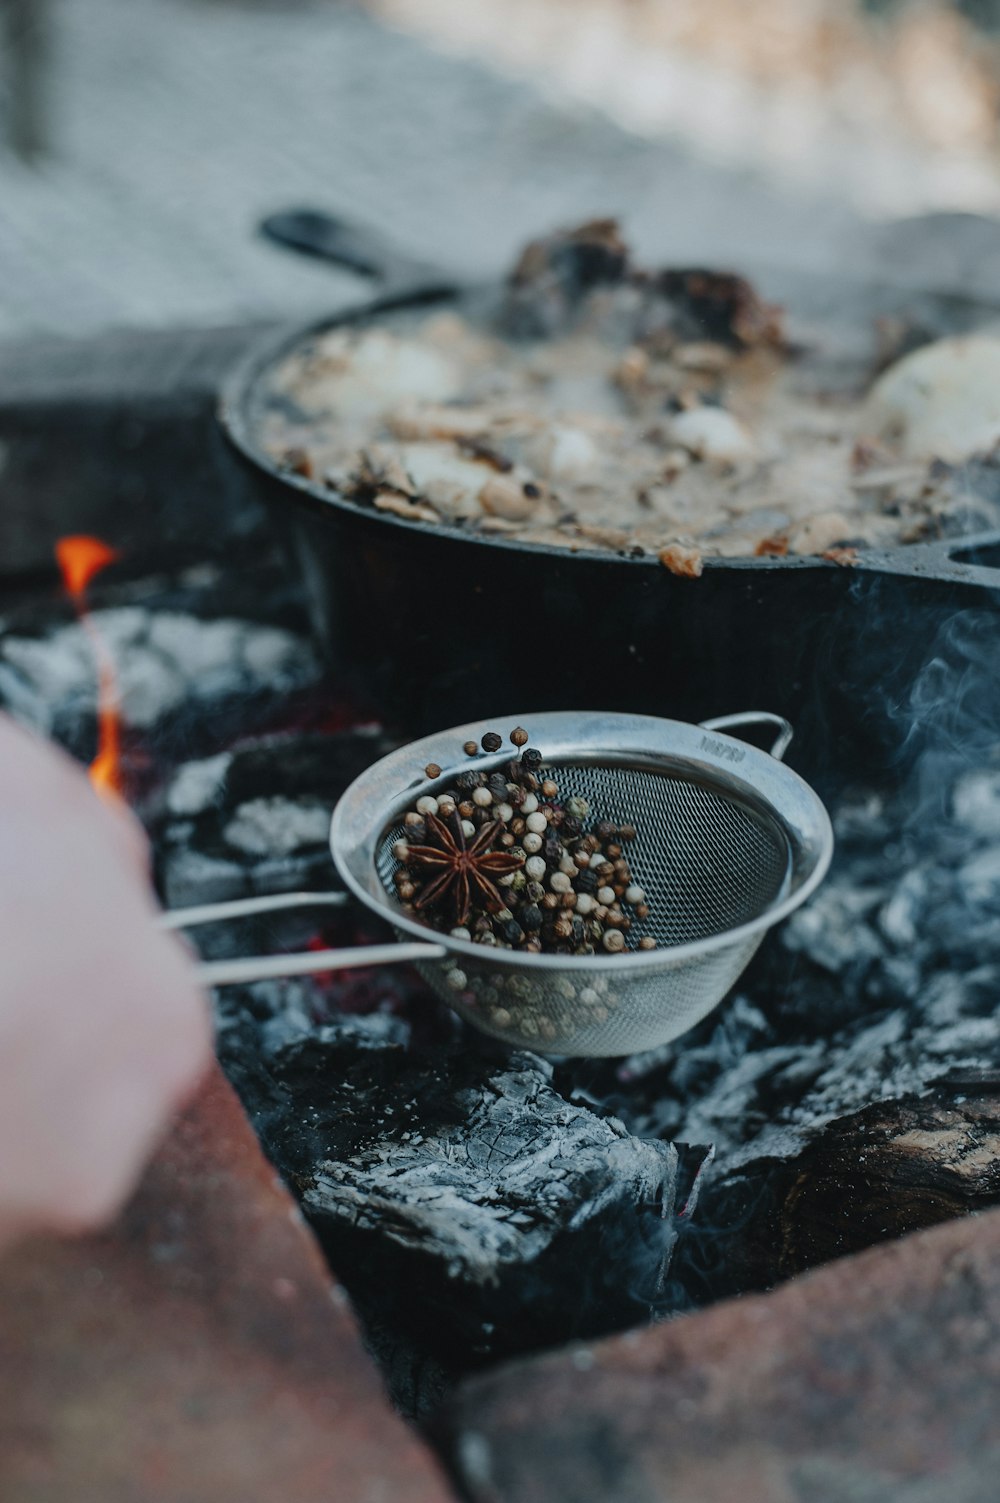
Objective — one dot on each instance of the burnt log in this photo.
(458, 1196)
(894, 1168)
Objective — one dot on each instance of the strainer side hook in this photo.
(755, 717)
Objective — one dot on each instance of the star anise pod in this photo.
(464, 871)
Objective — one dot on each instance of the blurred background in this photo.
(141, 141)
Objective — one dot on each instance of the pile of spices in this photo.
(500, 859)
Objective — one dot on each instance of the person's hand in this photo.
(103, 1031)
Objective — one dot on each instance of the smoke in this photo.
(950, 716)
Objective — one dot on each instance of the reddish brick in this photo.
(874, 1380)
(196, 1352)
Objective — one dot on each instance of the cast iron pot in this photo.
(432, 625)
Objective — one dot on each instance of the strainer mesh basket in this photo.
(708, 862)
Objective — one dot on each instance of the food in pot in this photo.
(604, 407)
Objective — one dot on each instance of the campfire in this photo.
(630, 1189)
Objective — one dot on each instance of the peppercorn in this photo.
(549, 789)
(647, 942)
(432, 770)
(534, 891)
(614, 941)
(530, 918)
(497, 784)
(642, 910)
(510, 930)
(587, 882)
(467, 808)
(531, 757)
(627, 832)
(491, 742)
(613, 851)
(519, 736)
(571, 826)
(466, 781)
(470, 748)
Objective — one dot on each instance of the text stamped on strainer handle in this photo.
(754, 717)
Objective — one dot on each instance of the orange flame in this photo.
(80, 559)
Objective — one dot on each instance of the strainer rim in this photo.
(430, 748)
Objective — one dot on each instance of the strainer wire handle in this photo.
(755, 717)
(248, 968)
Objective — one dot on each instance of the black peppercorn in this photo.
(571, 827)
(497, 784)
(587, 881)
(509, 930)
(531, 757)
(530, 918)
(491, 742)
(466, 781)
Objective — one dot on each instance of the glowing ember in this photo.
(79, 560)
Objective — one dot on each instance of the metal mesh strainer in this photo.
(729, 842)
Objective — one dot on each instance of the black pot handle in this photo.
(958, 559)
(314, 233)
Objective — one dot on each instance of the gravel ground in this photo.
(175, 124)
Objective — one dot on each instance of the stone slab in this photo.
(197, 1351)
(874, 1380)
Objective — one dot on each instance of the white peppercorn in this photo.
(427, 805)
(481, 796)
(537, 824)
(613, 941)
(534, 868)
(531, 843)
(559, 882)
(529, 804)
(606, 895)
(634, 894)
